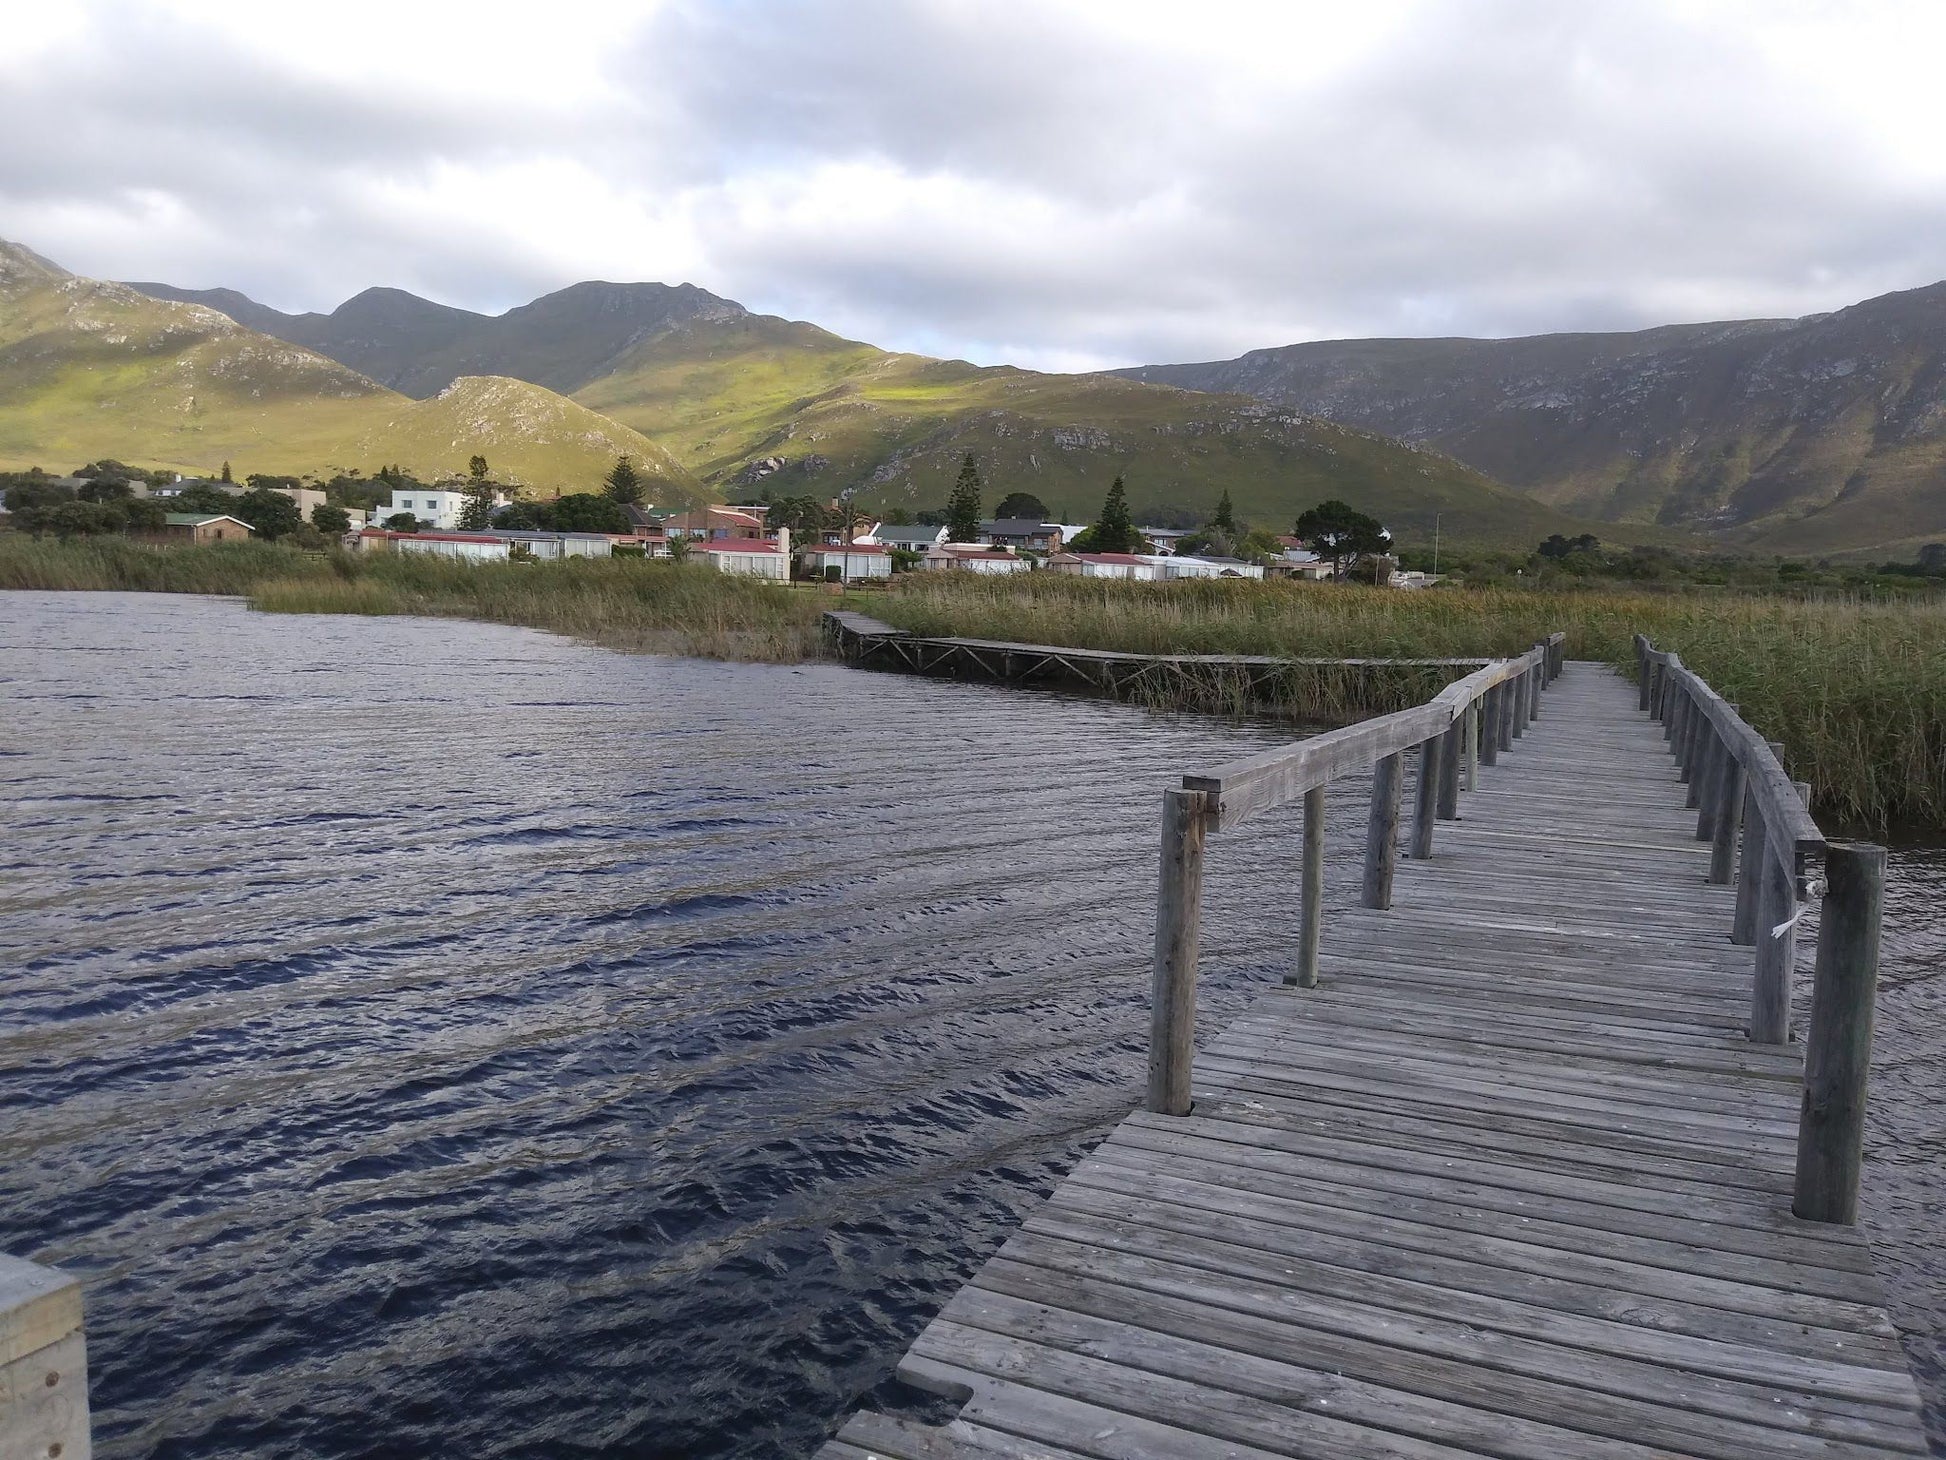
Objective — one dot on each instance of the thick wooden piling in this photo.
(1425, 797)
(1311, 904)
(1382, 832)
(1449, 770)
(1838, 1049)
(1178, 919)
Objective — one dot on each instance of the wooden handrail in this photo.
(1482, 712)
(1764, 839)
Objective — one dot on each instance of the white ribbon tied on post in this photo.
(1790, 922)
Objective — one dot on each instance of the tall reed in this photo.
(1856, 691)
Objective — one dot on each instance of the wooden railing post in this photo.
(1505, 729)
(1516, 708)
(1488, 742)
(1537, 677)
(1425, 797)
(1644, 698)
(1838, 1048)
(1750, 855)
(1311, 910)
(1709, 767)
(1770, 996)
(1178, 919)
(1449, 769)
(1732, 786)
(43, 1362)
(1382, 831)
(1470, 752)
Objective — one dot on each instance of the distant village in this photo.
(736, 539)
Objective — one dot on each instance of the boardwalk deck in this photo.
(1511, 1181)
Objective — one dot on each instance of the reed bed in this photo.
(1856, 691)
(642, 607)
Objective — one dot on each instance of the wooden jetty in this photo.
(870, 644)
(1520, 1161)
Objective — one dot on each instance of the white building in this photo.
(746, 558)
(465, 547)
(437, 508)
(553, 546)
(858, 560)
(1132, 566)
(1193, 567)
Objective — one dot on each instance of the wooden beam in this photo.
(1382, 831)
(1838, 1050)
(1178, 921)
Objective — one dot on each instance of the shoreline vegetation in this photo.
(1855, 690)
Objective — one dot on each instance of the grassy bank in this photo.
(629, 605)
(1855, 691)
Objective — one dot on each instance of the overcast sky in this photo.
(1063, 185)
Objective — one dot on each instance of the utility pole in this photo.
(1435, 544)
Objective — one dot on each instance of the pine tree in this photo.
(477, 514)
(1225, 520)
(477, 468)
(624, 483)
(1115, 532)
(963, 507)
(226, 473)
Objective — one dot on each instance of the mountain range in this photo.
(750, 401)
(1788, 435)
(91, 369)
(1814, 435)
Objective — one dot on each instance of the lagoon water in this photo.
(432, 1038)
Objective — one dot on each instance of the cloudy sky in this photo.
(1062, 185)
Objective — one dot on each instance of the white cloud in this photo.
(1101, 181)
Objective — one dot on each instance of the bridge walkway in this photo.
(1511, 1181)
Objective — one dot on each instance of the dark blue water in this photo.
(440, 1039)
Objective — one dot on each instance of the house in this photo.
(1298, 561)
(852, 562)
(1163, 539)
(910, 539)
(554, 546)
(1220, 567)
(748, 559)
(204, 527)
(436, 508)
(465, 547)
(1131, 566)
(721, 524)
(307, 499)
(973, 557)
(1022, 532)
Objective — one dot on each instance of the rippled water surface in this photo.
(435, 1039)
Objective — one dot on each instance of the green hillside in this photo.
(91, 369)
(752, 403)
(755, 402)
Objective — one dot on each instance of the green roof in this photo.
(197, 519)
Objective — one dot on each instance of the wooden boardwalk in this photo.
(1511, 1181)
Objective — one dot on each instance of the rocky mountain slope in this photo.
(1811, 435)
(91, 369)
(749, 402)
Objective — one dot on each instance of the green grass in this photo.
(1855, 691)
